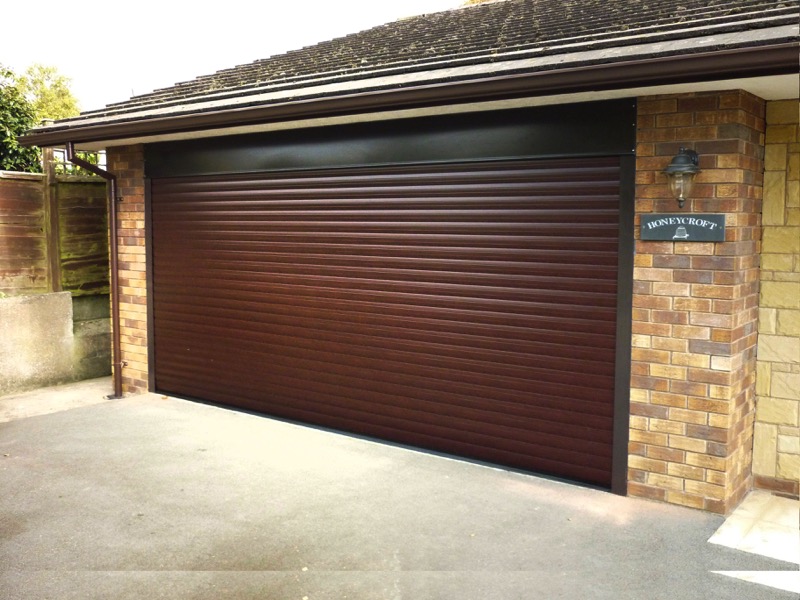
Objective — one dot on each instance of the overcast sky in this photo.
(113, 50)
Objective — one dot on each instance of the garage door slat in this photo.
(468, 308)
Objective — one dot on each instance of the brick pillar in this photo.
(695, 305)
(127, 163)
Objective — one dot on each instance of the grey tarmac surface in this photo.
(155, 497)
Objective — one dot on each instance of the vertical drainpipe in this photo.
(116, 359)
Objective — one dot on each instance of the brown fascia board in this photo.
(777, 59)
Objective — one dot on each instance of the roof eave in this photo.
(772, 59)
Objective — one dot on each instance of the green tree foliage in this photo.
(17, 115)
(48, 91)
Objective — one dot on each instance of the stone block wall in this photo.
(127, 163)
(695, 305)
(776, 462)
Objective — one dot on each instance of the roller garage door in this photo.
(467, 308)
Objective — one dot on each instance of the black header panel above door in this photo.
(587, 129)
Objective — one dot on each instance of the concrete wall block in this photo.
(776, 157)
(792, 195)
(87, 308)
(788, 466)
(765, 449)
(788, 322)
(793, 170)
(767, 320)
(777, 411)
(780, 294)
(763, 378)
(774, 198)
(36, 348)
(789, 444)
(786, 386)
(782, 112)
(777, 262)
(779, 348)
(781, 240)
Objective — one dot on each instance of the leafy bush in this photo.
(17, 115)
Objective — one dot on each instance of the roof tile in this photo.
(482, 33)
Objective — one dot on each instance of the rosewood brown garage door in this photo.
(466, 308)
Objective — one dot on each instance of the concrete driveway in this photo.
(155, 497)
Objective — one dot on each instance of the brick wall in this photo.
(776, 461)
(127, 163)
(695, 305)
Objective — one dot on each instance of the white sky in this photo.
(113, 50)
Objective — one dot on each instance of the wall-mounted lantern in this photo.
(681, 172)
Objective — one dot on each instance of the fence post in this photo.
(51, 221)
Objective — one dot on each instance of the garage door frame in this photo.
(550, 132)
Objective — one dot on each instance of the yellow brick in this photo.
(668, 399)
(715, 477)
(720, 392)
(133, 350)
(640, 341)
(684, 499)
(717, 420)
(663, 426)
(648, 437)
(694, 417)
(647, 464)
(688, 444)
(706, 461)
(663, 343)
(638, 395)
(701, 361)
(721, 363)
(664, 481)
(637, 422)
(686, 471)
(706, 490)
(668, 372)
(135, 365)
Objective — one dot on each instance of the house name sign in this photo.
(683, 228)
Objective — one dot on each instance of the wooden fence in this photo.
(53, 234)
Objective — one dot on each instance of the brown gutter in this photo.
(776, 59)
(112, 217)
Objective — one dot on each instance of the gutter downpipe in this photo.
(116, 359)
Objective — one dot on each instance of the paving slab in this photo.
(156, 497)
